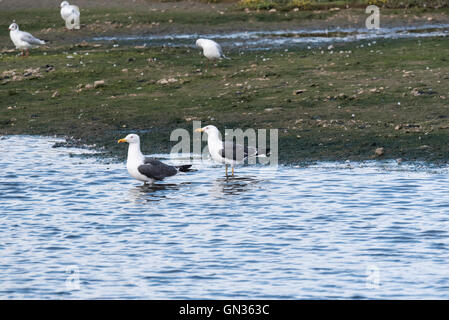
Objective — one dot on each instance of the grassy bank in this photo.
(328, 104)
(286, 5)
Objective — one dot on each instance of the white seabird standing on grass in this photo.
(23, 40)
(70, 14)
(228, 152)
(147, 169)
(211, 49)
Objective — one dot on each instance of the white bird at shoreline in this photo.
(211, 49)
(23, 40)
(70, 14)
(228, 152)
(144, 168)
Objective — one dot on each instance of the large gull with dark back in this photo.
(228, 152)
(147, 169)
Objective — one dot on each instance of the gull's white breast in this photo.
(211, 50)
(132, 167)
(215, 146)
(20, 44)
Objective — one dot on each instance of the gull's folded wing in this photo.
(27, 37)
(156, 170)
(236, 152)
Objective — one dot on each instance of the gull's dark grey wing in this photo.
(236, 152)
(156, 170)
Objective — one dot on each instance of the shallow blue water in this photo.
(76, 227)
(267, 40)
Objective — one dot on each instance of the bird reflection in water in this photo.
(154, 191)
(233, 185)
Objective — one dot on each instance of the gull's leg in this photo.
(226, 166)
(232, 171)
(28, 53)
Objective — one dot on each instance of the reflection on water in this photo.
(80, 227)
(232, 185)
(153, 192)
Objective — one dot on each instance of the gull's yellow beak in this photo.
(199, 130)
(121, 140)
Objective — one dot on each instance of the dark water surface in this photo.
(80, 227)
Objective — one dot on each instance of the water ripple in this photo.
(76, 227)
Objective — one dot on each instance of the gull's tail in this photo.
(260, 153)
(184, 168)
(264, 153)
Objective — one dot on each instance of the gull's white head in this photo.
(13, 27)
(199, 43)
(210, 130)
(130, 138)
(64, 3)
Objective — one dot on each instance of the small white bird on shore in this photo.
(228, 152)
(70, 14)
(23, 40)
(144, 168)
(211, 49)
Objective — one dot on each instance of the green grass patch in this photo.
(327, 106)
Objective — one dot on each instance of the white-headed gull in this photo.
(211, 49)
(23, 40)
(70, 14)
(228, 152)
(147, 169)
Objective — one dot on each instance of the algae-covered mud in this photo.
(330, 100)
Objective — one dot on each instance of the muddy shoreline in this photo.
(143, 18)
(340, 102)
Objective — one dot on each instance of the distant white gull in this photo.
(228, 152)
(23, 40)
(71, 15)
(211, 49)
(144, 168)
